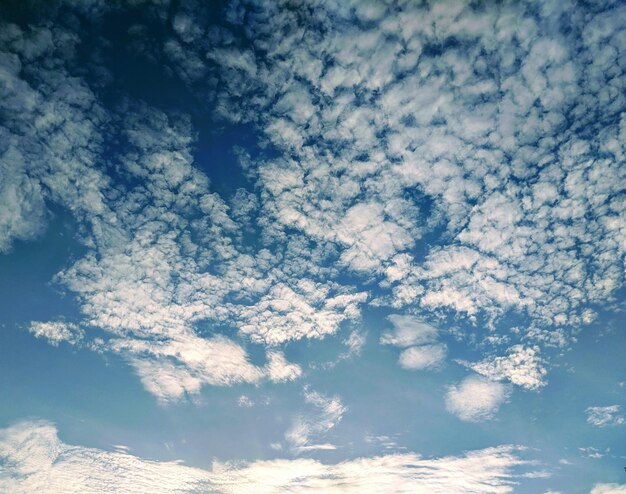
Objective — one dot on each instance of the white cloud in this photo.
(308, 310)
(160, 255)
(504, 147)
(408, 331)
(355, 342)
(522, 366)
(608, 489)
(593, 453)
(476, 141)
(245, 402)
(180, 366)
(56, 332)
(279, 370)
(423, 357)
(306, 429)
(36, 459)
(605, 416)
(476, 399)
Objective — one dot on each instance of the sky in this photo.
(301, 246)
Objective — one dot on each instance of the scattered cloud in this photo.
(383, 138)
(501, 141)
(521, 366)
(593, 453)
(56, 332)
(279, 370)
(306, 429)
(423, 357)
(605, 416)
(608, 489)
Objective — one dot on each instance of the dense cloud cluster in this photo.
(490, 126)
(436, 159)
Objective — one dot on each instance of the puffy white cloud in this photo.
(170, 369)
(56, 332)
(593, 453)
(36, 459)
(307, 310)
(49, 135)
(522, 366)
(160, 256)
(476, 399)
(605, 416)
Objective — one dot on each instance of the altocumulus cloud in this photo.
(486, 128)
(37, 460)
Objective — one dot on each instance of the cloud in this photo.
(279, 370)
(49, 134)
(498, 141)
(593, 453)
(608, 489)
(423, 357)
(408, 331)
(179, 367)
(522, 366)
(56, 332)
(35, 458)
(307, 310)
(605, 416)
(306, 429)
(476, 399)
(160, 255)
(447, 121)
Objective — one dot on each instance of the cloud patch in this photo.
(608, 416)
(476, 399)
(419, 340)
(521, 366)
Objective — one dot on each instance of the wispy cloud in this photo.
(307, 429)
(35, 459)
(605, 416)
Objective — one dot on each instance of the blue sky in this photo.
(341, 247)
